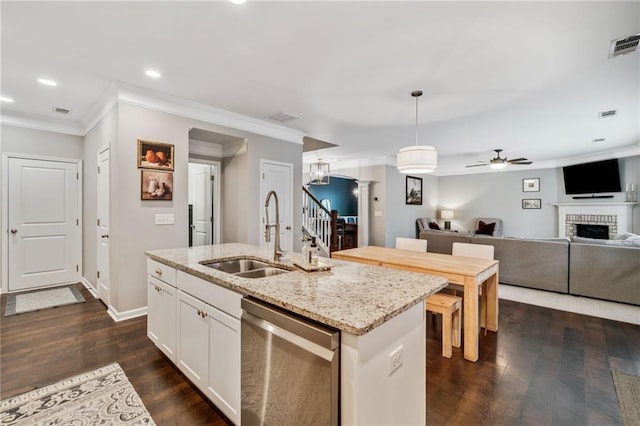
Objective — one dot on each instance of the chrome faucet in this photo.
(277, 251)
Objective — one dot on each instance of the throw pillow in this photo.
(485, 228)
(433, 225)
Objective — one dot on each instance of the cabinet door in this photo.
(193, 347)
(154, 315)
(223, 383)
(168, 321)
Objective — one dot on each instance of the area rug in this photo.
(628, 392)
(42, 299)
(101, 397)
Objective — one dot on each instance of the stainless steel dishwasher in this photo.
(290, 368)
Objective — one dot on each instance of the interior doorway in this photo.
(204, 203)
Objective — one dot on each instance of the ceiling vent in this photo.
(624, 45)
(62, 110)
(598, 140)
(608, 114)
(283, 117)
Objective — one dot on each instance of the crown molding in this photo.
(119, 92)
(41, 124)
(178, 106)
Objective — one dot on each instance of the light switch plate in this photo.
(377, 213)
(164, 219)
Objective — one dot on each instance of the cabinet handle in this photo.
(159, 271)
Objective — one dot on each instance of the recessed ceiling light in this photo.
(5, 99)
(153, 73)
(238, 1)
(47, 82)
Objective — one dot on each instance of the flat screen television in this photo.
(592, 178)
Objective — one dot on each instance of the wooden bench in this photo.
(449, 307)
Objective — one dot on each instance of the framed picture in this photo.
(414, 191)
(155, 155)
(156, 185)
(531, 203)
(531, 185)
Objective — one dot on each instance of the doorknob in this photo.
(104, 236)
(288, 228)
(13, 231)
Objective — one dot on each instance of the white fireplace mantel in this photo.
(622, 210)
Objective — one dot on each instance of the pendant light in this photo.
(417, 159)
(319, 173)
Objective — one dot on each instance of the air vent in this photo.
(608, 114)
(283, 117)
(599, 140)
(62, 110)
(624, 45)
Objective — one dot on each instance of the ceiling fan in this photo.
(498, 162)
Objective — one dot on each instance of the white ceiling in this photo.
(526, 77)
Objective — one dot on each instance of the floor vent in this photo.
(608, 114)
(623, 46)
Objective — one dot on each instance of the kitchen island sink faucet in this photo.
(277, 251)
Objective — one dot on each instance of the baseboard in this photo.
(569, 303)
(121, 316)
(89, 287)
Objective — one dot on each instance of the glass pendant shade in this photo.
(417, 159)
(319, 174)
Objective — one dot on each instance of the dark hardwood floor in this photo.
(40, 348)
(542, 367)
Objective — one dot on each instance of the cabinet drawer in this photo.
(222, 298)
(161, 271)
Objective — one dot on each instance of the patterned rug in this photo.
(19, 303)
(628, 392)
(101, 397)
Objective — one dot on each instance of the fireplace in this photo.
(600, 232)
(617, 217)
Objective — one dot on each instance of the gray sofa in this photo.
(604, 270)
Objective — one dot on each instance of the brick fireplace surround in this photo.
(617, 216)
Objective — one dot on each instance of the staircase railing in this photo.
(316, 220)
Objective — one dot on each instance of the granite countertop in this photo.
(352, 297)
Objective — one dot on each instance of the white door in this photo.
(102, 211)
(278, 177)
(200, 191)
(43, 222)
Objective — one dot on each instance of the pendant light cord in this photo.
(416, 121)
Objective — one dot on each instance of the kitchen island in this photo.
(379, 311)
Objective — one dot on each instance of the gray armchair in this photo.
(497, 230)
(422, 223)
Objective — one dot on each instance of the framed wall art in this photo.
(155, 155)
(156, 185)
(531, 203)
(531, 185)
(414, 191)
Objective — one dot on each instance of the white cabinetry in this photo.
(208, 341)
(161, 308)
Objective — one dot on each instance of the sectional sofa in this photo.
(602, 269)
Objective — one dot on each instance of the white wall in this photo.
(21, 140)
(133, 229)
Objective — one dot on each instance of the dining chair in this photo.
(449, 306)
(483, 251)
(411, 244)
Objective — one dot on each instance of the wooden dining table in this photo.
(469, 272)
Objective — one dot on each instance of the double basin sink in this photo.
(246, 268)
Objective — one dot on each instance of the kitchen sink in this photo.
(236, 265)
(246, 268)
(264, 272)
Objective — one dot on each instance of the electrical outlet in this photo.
(396, 358)
(165, 219)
